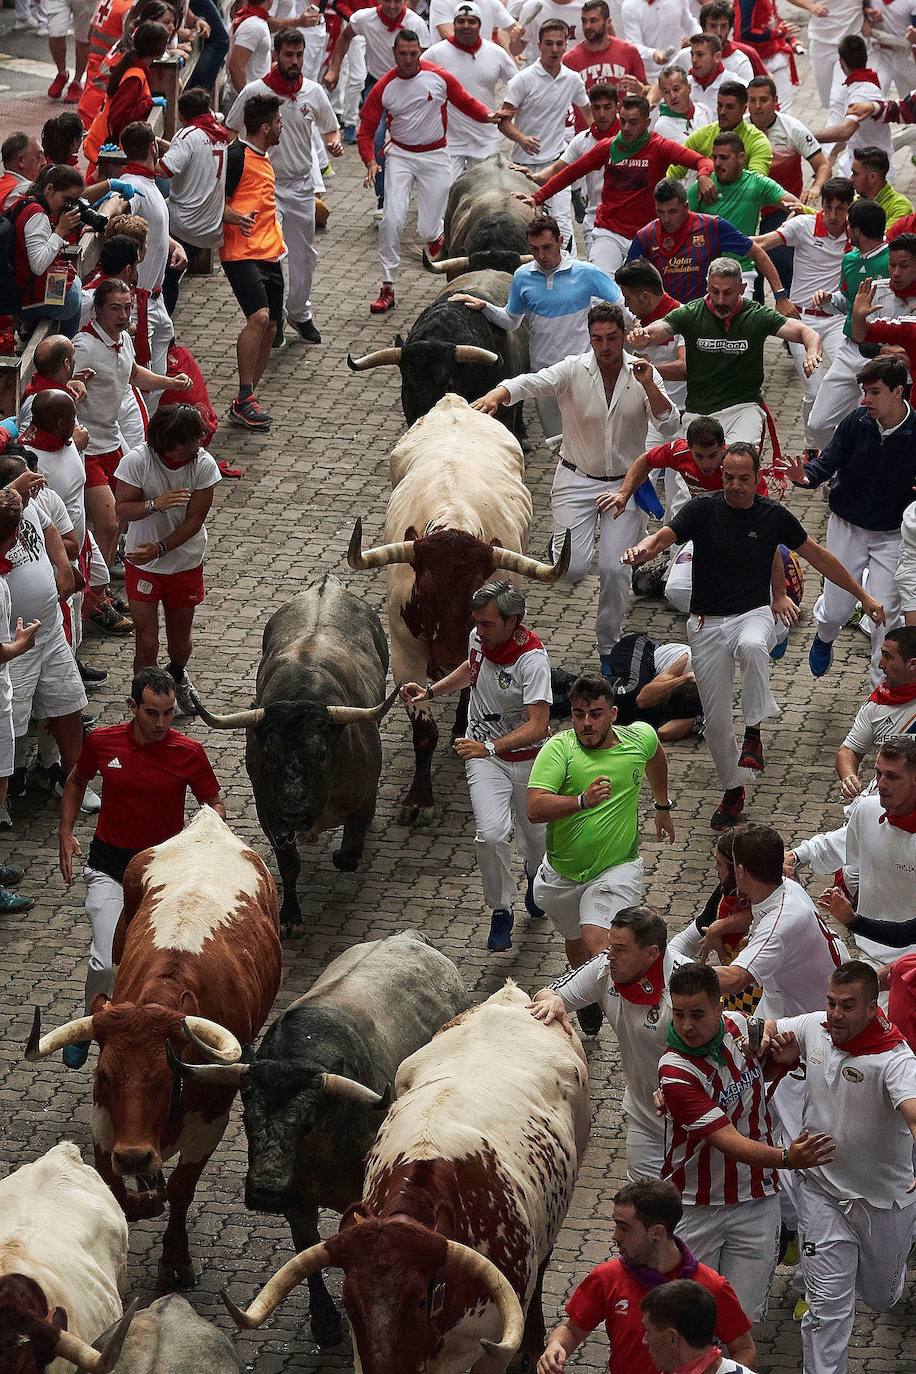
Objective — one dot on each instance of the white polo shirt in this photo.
(854, 1099)
(142, 469)
(493, 16)
(380, 39)
(881, 867)
(253, 34)
(479, 73)
(571, 15)
(112, 361)
(790, 952)
(33, 591)
(150, 204)
(579, 144)
(65, 473)
(875, 722)
(737, 66)
(656, 24)
(818, 256)
(541, 102)
(197, 191)
(293, 157)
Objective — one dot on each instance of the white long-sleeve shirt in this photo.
(906, 563)
(42, 243)
(881, 867)
(601, 437)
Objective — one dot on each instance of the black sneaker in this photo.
(10, 875)
(500, 938)
(15, 786)
(531, 905)
(306, 331)
(590, 1019)
(729, 810)
(91, 677)
(279, 337)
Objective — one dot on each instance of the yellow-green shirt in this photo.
(894, 205)
(758, 150)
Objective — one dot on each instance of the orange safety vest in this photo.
(98, 129)
(105, 34)
(257, 190)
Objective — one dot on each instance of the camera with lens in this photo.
(89, 218)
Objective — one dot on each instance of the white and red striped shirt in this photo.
(416, 110)
(703, 1095)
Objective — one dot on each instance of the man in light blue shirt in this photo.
(553, 293)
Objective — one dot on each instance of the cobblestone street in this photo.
(272, 534)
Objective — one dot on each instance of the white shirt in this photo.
(104, 394)
(594, 181)
(42, 243)
(33, 591)
(6, 687)
(679, 127)
(881, 867)
(479, 73)
(141, 468)
(150, 204)
(868, 133)
(855, 1099)
(542, 101)
(501, 692)
(600, 437)
(790, 952)
(293, 157)
(818, 257)
(315, 37)
(253, 34)
(704, 95)
(843, 17)
(906, 566)
(197, 190)
(571, 15)
(667, 353)
(65, 473)
(876, 722)
(653, 27)
(380, 39)
(737, 66)
(493, 16)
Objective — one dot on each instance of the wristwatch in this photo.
(490, 748)
(150, 505)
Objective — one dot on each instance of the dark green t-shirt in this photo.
(724, 364)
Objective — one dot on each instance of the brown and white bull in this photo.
(467, 1185)
(63, 1261)
(458, 513)
(198, 955)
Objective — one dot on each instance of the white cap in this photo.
(468, 7)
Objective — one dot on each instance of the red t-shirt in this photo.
(905, 225)
(617, 58)
(677, 455)
(143, 786)
(610, 1293)
(902, 333)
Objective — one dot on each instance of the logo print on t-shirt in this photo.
(622, 1305)
(504, 679)
(853, 1075)
(115, 763)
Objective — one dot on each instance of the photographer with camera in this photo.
(43, 225)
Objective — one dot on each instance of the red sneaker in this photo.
(74, 93)
(434, 246)
(384, 301)
(729, 810)
(56, 88)
(752, 753)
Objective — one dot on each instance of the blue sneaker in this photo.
(75, 1056)
(349, 134)
(606, 669)
(500, 937)
(779, 648)
(531, 905)
(820, 656)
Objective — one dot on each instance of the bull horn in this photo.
(530, 567)
(212, 1039)
(382, 357)
(70, 1347)
(72, 1032)
(301, 1266)
(442, 265)
(360, 560)
(470, 353)
(525, 258)
(348, 1090)
(228, 1075)
(501, 1293)
(356, 715)
(237, 720)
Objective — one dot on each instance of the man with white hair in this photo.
(508, 673)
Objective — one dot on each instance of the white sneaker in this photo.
(20, 25)
(184, 702)
(92, 802)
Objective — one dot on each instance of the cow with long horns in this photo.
(458, 512)
(63, 1262)
(467, 1186)
(198, 956)
(314, 1095)
(313, 750)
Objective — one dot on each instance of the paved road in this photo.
(271, 534)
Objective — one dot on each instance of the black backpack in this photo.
(10, 292)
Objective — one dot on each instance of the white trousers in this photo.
(104, 904)
(296, 211)
(645, 1152)
(742, 423)
(560, 206)
(837, 394)
(608, 250)
(825, 68)
(431, 175)
(830, 332)
(740, 1241)
(460, 162)
(499, 799)
(858, 550)
(346, 95)
(572, 504)
(895, 66)
(161, 333)
(778, 69)
(130, 420)
(571, 905)
(849, 1249)
(717, 644)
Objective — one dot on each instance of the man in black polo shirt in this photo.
(735, 535)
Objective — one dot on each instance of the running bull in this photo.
(314, 1095)
(458, 513)
(313, 750)
(467, 1186)
(485, 222)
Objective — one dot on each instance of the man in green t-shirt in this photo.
(585, 784)
(724, 334)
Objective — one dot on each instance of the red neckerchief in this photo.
(727, 49)
(907, 823)
(906, 294)
(820, 230)
(5, 566)
(172, 466)
(705, 82)
(608, 133)
(671, 242)
(862, 74)
(519, 644)
(94, 277)
(665, 305)
(392, 25)
(138, 169)
(647, 990)
(279, 84)
(249, 12)
(727, 323)
(702, 1364)
(893, 696)
(39, 383)
(43, 439)
(91, 329)
(211, 126)
(877, 1037)
(478, 43)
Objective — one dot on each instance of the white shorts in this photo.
(7, 745)
(573, 905)
(64, 13)
(46, 682)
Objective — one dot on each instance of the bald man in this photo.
(53, 371)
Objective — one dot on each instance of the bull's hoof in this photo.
(143, 1206)
(290, 921)
(327, 1330)
(415, 815)
(347, 863)
(174, 1278)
